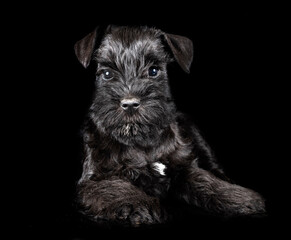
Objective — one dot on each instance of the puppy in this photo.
(139, 150)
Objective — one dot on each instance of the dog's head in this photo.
(133, 101)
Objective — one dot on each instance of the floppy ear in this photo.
(182, 49)
(85, 47)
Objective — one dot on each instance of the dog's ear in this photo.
(85, 47)
(182, 49)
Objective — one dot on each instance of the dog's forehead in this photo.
(131, 43)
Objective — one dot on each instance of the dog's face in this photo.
(133, 101)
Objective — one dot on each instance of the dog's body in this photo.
(138, 149)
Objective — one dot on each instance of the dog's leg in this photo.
(203, 153)
(119, 200)
(201, 188)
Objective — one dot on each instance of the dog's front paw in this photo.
(142, 215)
(240, 201)
(137, 215)
(253, 204)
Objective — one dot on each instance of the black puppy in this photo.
(138, 149)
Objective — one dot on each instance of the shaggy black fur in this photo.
(138, 149)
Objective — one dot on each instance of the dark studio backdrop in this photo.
(228, 94)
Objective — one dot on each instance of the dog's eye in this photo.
(153, 71)
(107, 75)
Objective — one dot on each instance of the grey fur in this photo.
(123, 146)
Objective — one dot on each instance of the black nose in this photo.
(130, 104)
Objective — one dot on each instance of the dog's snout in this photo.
(130, 103)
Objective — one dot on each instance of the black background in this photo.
(232, 93)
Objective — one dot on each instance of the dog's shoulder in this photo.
(188, 129)
(185, 124)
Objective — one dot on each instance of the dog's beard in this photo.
(128, 129)
(143, 127)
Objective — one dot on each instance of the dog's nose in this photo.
(130, 103)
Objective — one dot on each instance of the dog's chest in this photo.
(154, 169)
(154, 180)
(143, 161)
(147, 173)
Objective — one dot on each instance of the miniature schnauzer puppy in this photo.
(139, 150)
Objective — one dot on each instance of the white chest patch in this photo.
(160, 168)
